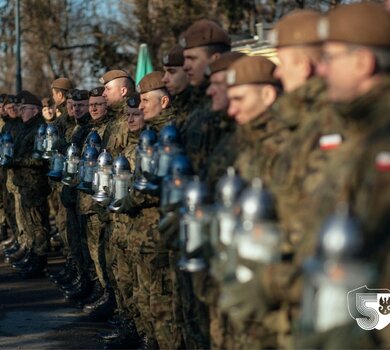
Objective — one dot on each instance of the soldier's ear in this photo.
(165, 101)
(268, 94)
(124, 91)
(214, 56)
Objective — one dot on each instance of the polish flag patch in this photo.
(383, 161)
(332, 141)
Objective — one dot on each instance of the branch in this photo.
(64, 48)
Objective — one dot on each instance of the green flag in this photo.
(144, 63)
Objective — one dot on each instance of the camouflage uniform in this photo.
(153, 284)
(120, 224)
(76, 223)
(31, 180)
(200, 131)
(359, 176)
(12, 195)
(181, 107)
(65, 125)
(115, 140)
(94, 227)
(292, 162)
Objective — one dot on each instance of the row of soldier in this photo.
(234, 202)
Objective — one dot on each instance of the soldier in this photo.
(76, 223)
(105, 305)
(118, 86)
(203, 42)
(30, 178)
(3, 218)
(356, 70)
(48, 110)
(251, 89)
(12, 196)
(177, 83)
(153, 291)
(120, 224)
(59, 89)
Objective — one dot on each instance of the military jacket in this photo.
(12, 125)
(223, 155)
(86, 202)
(144, 207)
(201, 130)
(29, 173)
(115, 137)
(182, 107)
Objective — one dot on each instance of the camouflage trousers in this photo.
(17, 214)
(8, 200)
(122, 267)
(95, 241)
(153, 294)
(76, 226)
(59, 212)
(37, 226)
(188, 310)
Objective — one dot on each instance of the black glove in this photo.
(8, 162)
(169, 227)
(241, 298)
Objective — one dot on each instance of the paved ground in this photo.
(34, 315)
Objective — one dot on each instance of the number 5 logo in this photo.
(369, 307)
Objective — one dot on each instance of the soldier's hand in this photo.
(169, 227)
(241, 298)
(8, 162)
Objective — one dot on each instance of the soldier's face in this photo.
(28, 111)
(195, 62)
(151, 104)
(291, 70)
(342, 71)
(218, 91)
(175, 79)
(80, 108)
(114, 92)
(58, 96)
(11, 110)
(69, 107)
(48, 112)
(245, 102)
(97, 107)
(135, 119)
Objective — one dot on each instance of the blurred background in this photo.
(82, 39)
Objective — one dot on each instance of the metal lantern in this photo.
(94, 140)
(144, 161)
(174, 184)
(120, 182)
(225, 219)
(87, 169)
(7, 147)
(56, 166)
(257, 236)
(39, 143)
(103, 178)
(50, 139)
(193, 227)
(71, 165)
(166, 148)
(332, 272)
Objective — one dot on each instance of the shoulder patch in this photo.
(331, 141)
(382, 161)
